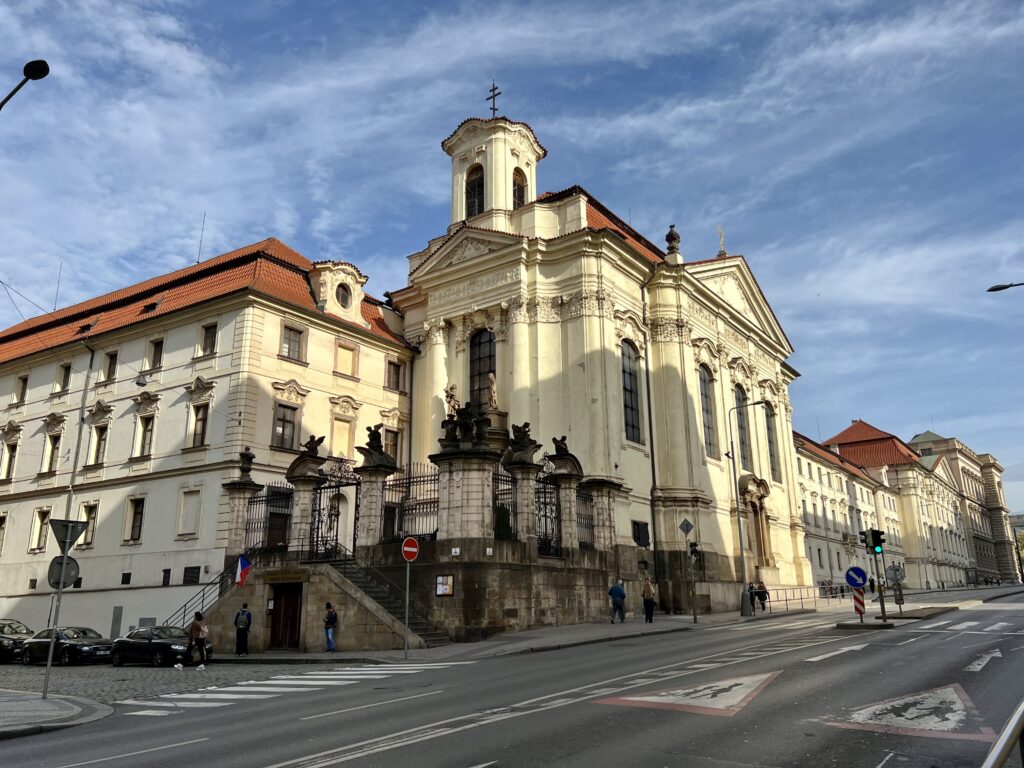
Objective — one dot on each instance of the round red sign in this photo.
(410, 548)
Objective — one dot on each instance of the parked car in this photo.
(74, 645)
(12, 634)
(154, 645)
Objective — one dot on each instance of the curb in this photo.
(1000, 597)
(929, 613)
(786, 615)
(94, 711)
(294, 660)
(857, 625)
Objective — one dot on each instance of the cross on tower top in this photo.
(493, 98)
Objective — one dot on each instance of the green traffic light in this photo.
(878, 549)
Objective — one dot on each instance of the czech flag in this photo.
(244, 566)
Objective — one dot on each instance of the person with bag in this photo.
(647, 593)
(243, 622)
(197, 634)
(762, 594)
(618, 595)
(330, 624)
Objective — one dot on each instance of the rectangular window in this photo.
(393, 376)
(291, 343)
(145, 436)
(42, 529)
(188, 518)
(63, 380)
(631, 393)
(799, 466)
(821, 563)
(284, 426)
(77, 583)
(21, 389)
(138, 510)
(345, 360)
(126, 579)
(166, 581)
(190, 575)
(3, 531)
(391, 443)
(641, 533)
(110, 368)
(208, 345)
(99, 443)
(341, 438)
(200, 417)
(53, 452)
(155, 356)
(89, 512)
(9, 456)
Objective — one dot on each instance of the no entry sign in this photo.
(410, 549)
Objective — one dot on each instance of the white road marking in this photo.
(964, 625)
(216, 696)
(296, 680)
(979, 664)
(887, 759)
(705, 665)
(189, 704)
(997, 627)
(263, 689)
(153, 713)
(839, 651)
(353, 676)
(909, 641)
(484, 765)
(132, 754)
(367, 706)
(936, 624)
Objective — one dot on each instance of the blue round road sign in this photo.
(856, 577)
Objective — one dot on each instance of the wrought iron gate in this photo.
(549, 517)
(335, 512)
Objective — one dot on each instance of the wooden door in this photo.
(287, 617)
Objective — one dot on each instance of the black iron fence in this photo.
(549, 517)
(410, 504)
(503, 504)
(585, 518)
(268, 520)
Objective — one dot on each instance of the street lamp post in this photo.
(34, 70)
(745, 608)
(1003, 287)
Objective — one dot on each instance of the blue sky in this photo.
(866, 158)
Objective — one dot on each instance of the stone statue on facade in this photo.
(492, 397)
(373, 452)
(561, 449)
(451, 400)
(466, 425)
(521, 446)
(312, 445)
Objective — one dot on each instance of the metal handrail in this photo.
(1009, 738)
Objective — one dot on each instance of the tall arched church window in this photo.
(742, 427)
(707, 412)
(481, 364)
(631, 392)
(518, 189)
(773, 442)
(474, 191)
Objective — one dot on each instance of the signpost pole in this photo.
(408, 566)
(70, 536)
(881, 589)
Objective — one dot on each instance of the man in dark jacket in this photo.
(243, 621)
(618, 596)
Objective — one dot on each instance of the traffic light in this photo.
(877, 540)
(864, 539)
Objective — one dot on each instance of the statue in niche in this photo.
(492, 397)
(451, 400)
(312, 445)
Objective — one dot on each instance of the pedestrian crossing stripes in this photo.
(278, 685)
(973, 627)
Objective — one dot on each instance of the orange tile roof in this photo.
(824, 454)
(857, 431)
(871, 447)
(269, 268)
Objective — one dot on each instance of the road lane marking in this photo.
(188, 704)
(263, 689)
(839, 651)
(132, 754)
(963, 625)
(886, 760)
(997, 627)
(295, 680)
(909, 641)
(484, 765)
(212, 695)
(981, 661)
(367, 706)
(153, 713)
(936, 624)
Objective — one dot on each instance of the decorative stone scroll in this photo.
(11, 431)
(200, 390)
(99, 412)
(53, 424)
(669, 329)
(290, 391)
(147, 403)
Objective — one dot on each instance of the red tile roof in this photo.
(824, 454)
(269, 268)
(857, 431)
(871, 447)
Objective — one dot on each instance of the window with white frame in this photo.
(631, 391)
(285, 418)
(346, 359)
(110, 366)
(10, 455)
(200, 421)
(393, 375)
(391, 440)
(742, 426)
(188, 512)
(146, 426)
(293, 343)
(99, 443)
(155, 354)
(40, 529)
(62, 381)
(208, 340)
(20, 393)
(90, 511)
(134, 519)
(707, 410)
(52, 453)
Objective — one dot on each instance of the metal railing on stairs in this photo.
(1008, 741)
(210, 593)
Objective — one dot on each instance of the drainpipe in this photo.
(412, 378)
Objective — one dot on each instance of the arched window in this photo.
(631, 392)
(518, 189)
(707, 411)
(742, 430)
(773, 444)
(481, 363)
(474, 191)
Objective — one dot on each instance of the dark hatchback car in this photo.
(12, 634)
(74, 645)
(154, 645)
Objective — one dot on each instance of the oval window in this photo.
(344, 295)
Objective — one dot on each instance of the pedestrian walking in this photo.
(871, 584)
(618, 596)
(762, 594)
(647, 593)
(197, 634)
(243, 622)
(752, 595)
(330, 624)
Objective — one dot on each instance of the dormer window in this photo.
(474, 191)
(518, 189)
(344, 295)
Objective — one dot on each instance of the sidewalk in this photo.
(23, 713)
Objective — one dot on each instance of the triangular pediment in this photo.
(942, 469)
(465, 247)
(730, 285)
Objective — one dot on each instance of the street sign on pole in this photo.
(686, 526)
(856, 578)
(410, 551)
(63, 572)
(67, 532)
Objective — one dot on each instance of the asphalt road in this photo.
(787, 692)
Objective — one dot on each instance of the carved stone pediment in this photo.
(11, 431)
(741, 370)
(345, 405)
(468, 249)
(146, 403)
(394, 418)
(200, 390)
(54, 423)
(290, 390)
(99, 412)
